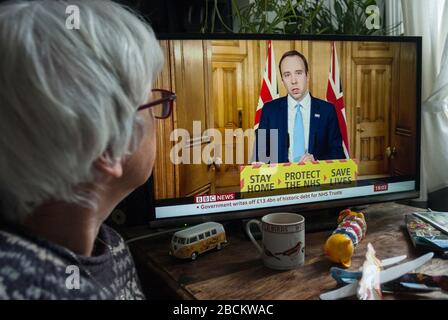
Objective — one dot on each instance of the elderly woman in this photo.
(77, 134)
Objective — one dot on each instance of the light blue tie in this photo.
(298, 149)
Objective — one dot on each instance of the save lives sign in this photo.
(267, 177)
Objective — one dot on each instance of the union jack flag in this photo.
(336, 97)
(269, 90)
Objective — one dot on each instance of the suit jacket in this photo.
(325, 140)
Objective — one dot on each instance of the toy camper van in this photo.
(191, 242)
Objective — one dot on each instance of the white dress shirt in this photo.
(306, 111)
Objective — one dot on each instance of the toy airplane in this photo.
(417, 282)
(410, 282)
(386, 275)
(343, 276)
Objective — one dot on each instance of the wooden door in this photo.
(165, 172)
(187, 64)
(234, 103)
(402, 149)
(192, 75)
(373, 105)
(374, 74)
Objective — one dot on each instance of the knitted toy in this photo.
(351, 230)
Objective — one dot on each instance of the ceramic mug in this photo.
(283, 240)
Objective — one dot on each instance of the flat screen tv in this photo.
(230, 149)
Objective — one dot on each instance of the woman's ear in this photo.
(109, 167)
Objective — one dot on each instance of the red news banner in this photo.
(268, 177)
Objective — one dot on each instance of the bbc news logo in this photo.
(214, 198)
(379, 187)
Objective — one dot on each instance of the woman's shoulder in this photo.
(16, 248)
(29, 270)
(117, 245)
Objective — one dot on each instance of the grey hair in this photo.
(67, 97)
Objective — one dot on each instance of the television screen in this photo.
(285, 123)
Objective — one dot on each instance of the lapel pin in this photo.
(316, 115)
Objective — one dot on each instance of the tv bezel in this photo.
(319, 205)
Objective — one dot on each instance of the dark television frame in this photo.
(306, 209)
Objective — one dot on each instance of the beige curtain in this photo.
(433, 27)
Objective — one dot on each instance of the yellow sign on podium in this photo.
(268, 177)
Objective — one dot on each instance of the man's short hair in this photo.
(290, 54)
(67, 97)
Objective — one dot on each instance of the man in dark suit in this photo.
(307, 127)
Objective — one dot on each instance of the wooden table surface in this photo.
(236, 272)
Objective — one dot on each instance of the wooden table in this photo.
(236, 272)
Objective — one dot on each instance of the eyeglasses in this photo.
(162, 103)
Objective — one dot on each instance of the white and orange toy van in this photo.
(191, 242)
